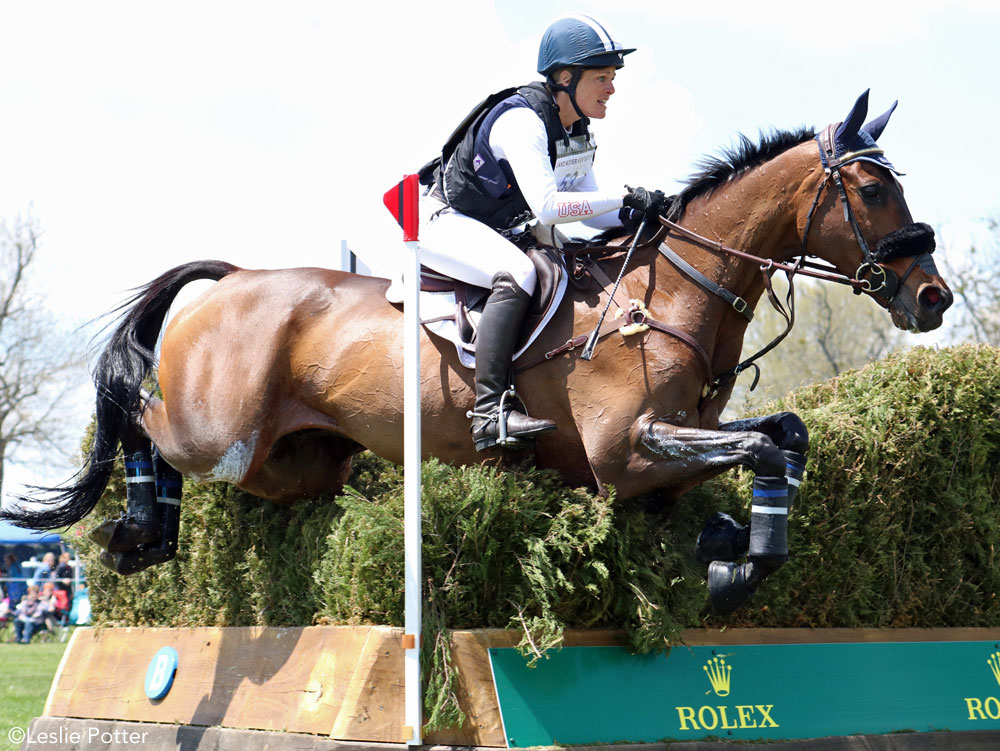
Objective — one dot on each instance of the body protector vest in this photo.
(479, 185)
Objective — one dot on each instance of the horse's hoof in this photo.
(722, 539)
(730, 585)
(123, 534)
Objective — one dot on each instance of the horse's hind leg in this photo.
(146, 533)
(137, 525)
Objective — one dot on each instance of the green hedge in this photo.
(895, 526)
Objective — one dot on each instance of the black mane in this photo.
(744, 155)
(715, 171)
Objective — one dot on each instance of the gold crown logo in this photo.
(994, 663)
(718, 675)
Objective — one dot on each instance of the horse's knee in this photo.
(791, 434)
(765, 458)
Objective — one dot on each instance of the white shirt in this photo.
(519, 136)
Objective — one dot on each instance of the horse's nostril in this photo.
(935, 299)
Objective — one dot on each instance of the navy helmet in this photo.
(579, 40)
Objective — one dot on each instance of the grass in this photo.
(26, 673)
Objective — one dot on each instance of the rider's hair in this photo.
(557, 74)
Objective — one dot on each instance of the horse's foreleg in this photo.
(697, 454)
(764, 541)
(725, 539)
(787, 431)
(760, 446)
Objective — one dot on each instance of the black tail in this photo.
(124, 363)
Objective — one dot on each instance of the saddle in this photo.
(451, 308)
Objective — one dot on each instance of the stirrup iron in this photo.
(500, 415)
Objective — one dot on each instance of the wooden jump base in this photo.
(341, 687)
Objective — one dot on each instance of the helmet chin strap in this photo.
(571, 89)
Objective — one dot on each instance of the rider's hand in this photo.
(649, 203)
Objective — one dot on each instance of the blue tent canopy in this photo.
(11, 535)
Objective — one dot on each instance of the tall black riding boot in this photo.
(495, 341)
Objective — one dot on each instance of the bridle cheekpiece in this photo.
(914, 240)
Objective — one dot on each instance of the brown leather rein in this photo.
(634, 315)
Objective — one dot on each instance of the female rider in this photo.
(523, 153)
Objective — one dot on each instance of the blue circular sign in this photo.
(160, 673)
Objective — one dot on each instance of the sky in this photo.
(141, 136)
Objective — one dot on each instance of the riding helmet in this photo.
(579, 40)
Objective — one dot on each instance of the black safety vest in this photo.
(478, 184)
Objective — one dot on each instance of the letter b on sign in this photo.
(160, 673)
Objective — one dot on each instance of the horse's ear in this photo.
(852, 123)
(876, 126)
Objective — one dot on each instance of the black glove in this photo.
(649, 203)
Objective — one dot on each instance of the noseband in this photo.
(914, 240)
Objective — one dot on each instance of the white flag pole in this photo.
(411, 494)
(402, 202)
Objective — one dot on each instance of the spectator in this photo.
(64, 578)
(30, 616)
(45, 570)
(54, 605)
(12, 570)
(80, 614)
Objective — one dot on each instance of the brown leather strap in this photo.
(684, 337)
(632, 317)
(676, 229)
(569, 345)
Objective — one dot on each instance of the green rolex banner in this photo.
(590, 695)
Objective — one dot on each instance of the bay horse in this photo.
(273, 379)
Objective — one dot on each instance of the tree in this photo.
(39, 366)
(972, 274)
(835, 331)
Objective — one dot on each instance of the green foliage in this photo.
(895, 527)
(897, 522)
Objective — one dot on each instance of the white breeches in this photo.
(464, 248)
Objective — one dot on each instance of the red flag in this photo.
(401, 200)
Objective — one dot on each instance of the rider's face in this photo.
(594, 89)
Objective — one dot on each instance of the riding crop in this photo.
(588, 350)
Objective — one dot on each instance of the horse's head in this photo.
(860, 222)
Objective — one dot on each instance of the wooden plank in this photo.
(475, 692)
(735, 636)
(268, 679)
(372, 709)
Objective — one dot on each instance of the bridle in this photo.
(872, 270)
(873, 277)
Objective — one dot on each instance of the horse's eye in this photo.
(871, 191)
